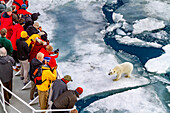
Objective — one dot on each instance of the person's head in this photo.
(15, 18)
(34, 16)
(21, 21)
(3, 32)
(40, 56)
(24, 35)
(36, 25)
(79, 91)
(49, 48)
(23, 6)
(13, 8)
(67, 78)
(3, 52)
(74, 111)
(52, 63)
(44, 37)
(9, 11)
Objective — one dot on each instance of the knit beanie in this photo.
(24, 34)
(79, 90)
(52, 62)
(23, 6)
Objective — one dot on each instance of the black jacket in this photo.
(35, 63)
(31, 30)
(6, 71)
(23, 49)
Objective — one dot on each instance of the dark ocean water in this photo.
(143, 53)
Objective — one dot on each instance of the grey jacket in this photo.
(66, 100)
(58, 88)
(6, 71)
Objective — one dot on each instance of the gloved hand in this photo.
(56, 51)
(32, 42)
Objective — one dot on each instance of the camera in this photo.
(56, 51)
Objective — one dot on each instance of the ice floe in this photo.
(141, 100)
(135, 41)
(160, 64)
(147, 24)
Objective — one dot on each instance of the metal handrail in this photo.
(33, 110)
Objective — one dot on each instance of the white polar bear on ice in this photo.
(125, 68)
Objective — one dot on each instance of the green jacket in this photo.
(7, 44)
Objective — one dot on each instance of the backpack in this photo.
(37, 76)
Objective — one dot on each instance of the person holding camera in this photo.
(49, 75)
(48, 51)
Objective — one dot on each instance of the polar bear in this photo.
(125, 68)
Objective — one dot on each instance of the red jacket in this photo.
(17, 29)
(18, 3)
(24, 12)
(37, 47)
(6, 22)
(47, 54)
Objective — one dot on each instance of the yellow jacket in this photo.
(33, 37)
(49, 77)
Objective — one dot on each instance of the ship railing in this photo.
(33, 110)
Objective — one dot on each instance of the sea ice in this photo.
(147, 24)
(160, 64)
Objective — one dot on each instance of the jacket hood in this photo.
(4, 59)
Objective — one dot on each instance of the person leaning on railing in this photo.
(67, 100)
(48, 75)
(6, 71)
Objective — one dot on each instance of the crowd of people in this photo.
(24, 47)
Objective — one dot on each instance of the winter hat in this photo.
(24, 34)
(67, 77)
(3, 31)
(9, 9)
(47, 59)
(52, 62)
(34, 16)
(79, 90)
(36, 25)
(23, 6)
